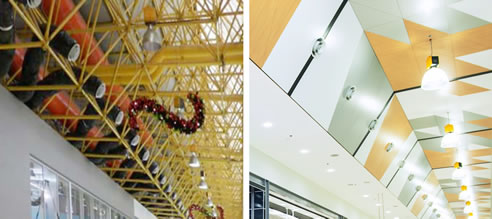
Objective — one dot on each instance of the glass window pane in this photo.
(37, 190)
(87, 206)
(95, 209)
(103, 211)
(50, 194)
(63, 201)
(75, 203)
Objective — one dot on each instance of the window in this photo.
(54, 197)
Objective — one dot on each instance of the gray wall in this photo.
(24, 134)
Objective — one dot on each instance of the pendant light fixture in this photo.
(450, 139)
(458, 173)
(464, 194)
(152, 39)
(435, 78)
(194, 162)
(202, 185)
(468, 208)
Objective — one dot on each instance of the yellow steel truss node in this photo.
(202, 51)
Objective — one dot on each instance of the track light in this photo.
(202, 185)
(152, 39)
(194, 162)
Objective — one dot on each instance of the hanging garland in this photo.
(205, 212)
(172, 120)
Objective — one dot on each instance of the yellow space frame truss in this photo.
(201, 51)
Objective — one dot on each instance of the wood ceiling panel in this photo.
(268, 20)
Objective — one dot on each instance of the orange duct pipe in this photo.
(86, 41)
(88, 48)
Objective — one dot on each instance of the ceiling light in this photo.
(202, 185)
(396, 218)
(388, 147)
(450, 139)
(318, 47)
(435, 78)
(194, 162)
(464, 194)
(468, 208)
(152, 39)
(365, 196)
(410, 177)
(267, 124)
(304, 151)
(350, 92)
(378, 204)
(209, 202)
(331, 170)
(388, 212)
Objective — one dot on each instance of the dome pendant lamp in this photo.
(152, 39)
(450, 139)
(435, 78)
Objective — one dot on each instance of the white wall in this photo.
(272, 170)
(22, 133)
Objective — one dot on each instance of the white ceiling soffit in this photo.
(292, 130)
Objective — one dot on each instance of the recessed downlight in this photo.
(267, 124)
(366, 196)
(388, 212)
(304, 151)
(330, 170)
(379, 204)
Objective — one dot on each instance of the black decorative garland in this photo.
(172, 120)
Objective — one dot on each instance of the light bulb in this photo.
(434, 79)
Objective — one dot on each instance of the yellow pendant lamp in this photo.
(450, 139)
(435, 78)
(464, 194)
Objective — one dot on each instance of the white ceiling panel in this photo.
(319, 89)
(294, 46)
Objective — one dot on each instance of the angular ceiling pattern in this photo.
(388, 124)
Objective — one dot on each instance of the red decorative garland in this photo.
(196, 207)
(171, 119)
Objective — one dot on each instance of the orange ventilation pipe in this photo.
(89, 49)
